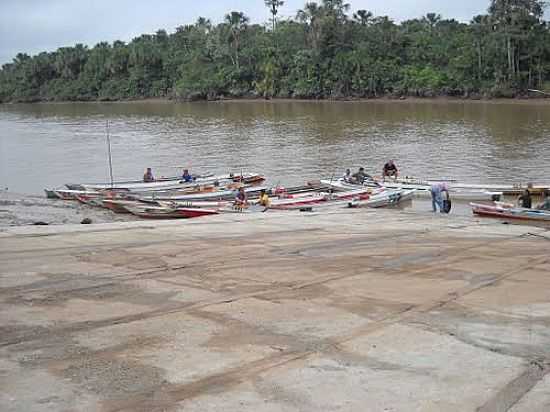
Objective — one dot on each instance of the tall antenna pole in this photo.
(110, 157)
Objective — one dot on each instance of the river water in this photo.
(46, 145)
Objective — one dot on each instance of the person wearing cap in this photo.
(148, 176)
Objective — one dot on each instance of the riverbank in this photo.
(382, 99)
(381, 310)
(18, 209)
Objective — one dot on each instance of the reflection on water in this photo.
(44, 145)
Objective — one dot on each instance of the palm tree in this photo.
(336, 8)
(431, 20)
(237, 22)
(364, 17)
(273, 6)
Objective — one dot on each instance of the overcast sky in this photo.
(32, 26)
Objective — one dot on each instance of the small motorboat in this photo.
(422, 189)
(154, 212)
(384, 199)
(190, 212)
(503, 211)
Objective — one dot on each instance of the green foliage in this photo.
(327, 51)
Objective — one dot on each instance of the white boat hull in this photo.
(384, 199)
(423, 190)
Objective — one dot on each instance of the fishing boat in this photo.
(154, 212)
(226, 194)
(91, 200)
(421, 189)
(72, 194)
(204, 204)
(50, 194)
(384, 199)
(303, 200)
(245, 178)
(107, 185)
(119, 205)
(103, 185)
(252, 208)
(507, 212)
(191, 212)
(505, 189)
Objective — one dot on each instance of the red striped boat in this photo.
(517, 213)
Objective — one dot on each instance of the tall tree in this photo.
(273, 6)
(237, 22)
(513, 19)
(364, 17)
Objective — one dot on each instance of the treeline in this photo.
(326, 51)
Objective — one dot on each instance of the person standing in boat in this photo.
(390, 170)
(525, 200)
(360, 177)
(148, 176)
(186, 176)
(241, 200)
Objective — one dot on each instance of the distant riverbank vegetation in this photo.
(327, 51)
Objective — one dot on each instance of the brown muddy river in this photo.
(46, 145)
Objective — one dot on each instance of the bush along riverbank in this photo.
(327, 51)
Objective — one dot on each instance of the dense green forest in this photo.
(326, 51)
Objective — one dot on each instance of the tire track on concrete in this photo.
(159, 398)
(89, 325)
(516, 389)
(171, 309)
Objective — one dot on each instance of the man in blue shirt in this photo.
(440, 197)
(186, 177)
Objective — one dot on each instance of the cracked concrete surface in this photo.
(342, 311)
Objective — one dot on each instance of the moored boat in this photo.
(90, 200)
(227, 194)
(252, 208)
(204, 204)
(298, 202)
(505, 189)
(384, 199)
(72, 194)
(506, 212)
(421, 189)
(50, 194)
(119, 205)
(153, 212)
(191, 212)
(163, 185)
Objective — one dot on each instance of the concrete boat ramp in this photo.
(361, 310)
